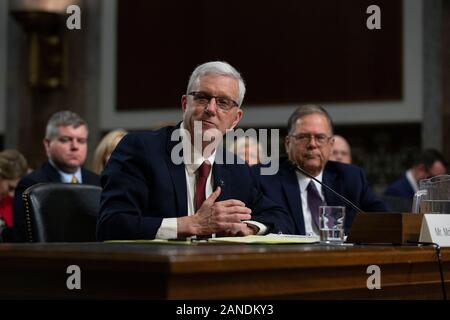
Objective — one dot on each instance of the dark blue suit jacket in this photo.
(46, 173)
(400, 188)
(347, 180)
(142, 185)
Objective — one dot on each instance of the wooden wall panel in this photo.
(289, 51)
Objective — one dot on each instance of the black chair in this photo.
(61, 212)
(5, 234)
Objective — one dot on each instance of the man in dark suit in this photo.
(172, 183)
(428, 164)
(66, 145)
(308, 145)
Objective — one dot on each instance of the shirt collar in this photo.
(195, 154)
(304, 181)
(411, 180)
(65, 176)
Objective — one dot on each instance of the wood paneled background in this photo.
(289, 51)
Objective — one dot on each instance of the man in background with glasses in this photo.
(169, 183)
(308, 145)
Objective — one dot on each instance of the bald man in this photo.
(341, 150)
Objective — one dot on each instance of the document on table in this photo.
(270, 238)
(154, 241)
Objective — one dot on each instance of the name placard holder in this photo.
(385, 227)
(436, 228)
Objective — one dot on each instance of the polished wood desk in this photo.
(202, 271)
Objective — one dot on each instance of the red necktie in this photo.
(200, 186)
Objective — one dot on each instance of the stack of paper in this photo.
(267, 239)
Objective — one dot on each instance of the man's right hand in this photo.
(215, 217)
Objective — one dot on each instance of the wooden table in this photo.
(212, 271)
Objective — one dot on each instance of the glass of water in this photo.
(435, 206)
(332, 220)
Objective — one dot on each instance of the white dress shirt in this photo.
(412, 181)
(67, 177)
(303, 182)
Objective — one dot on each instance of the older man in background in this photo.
(308, 145)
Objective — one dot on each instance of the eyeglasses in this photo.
(203, 99)
(305, 138)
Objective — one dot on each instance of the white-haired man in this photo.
(149, 192)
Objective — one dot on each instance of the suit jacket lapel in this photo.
(221, 177)
(291, 190)
(52, 174)
(330, 179)
(85, 177)
(177, 174)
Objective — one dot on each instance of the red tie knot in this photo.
(203, 170)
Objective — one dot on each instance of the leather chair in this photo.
(61, 212)
(5, 234)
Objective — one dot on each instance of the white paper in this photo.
(436, 228)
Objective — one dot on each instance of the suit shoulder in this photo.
(30, 180)
(400, 181)
(273, 171)
(35, 176)
(399, 184)
(147, 136)
(26, 181)
(347, 172)
(89, 172)
(91, 177)
(343, 167)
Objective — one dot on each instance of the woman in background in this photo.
(105, 149)
(13, 166)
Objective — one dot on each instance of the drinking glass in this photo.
(332, 220)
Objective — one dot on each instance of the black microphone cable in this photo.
(439, 258)
(351, 204)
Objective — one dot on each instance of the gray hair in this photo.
(217, 68)
(63, 118)
(305, 110)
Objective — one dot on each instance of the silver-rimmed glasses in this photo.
(203, 99)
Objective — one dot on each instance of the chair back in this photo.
(61, 212)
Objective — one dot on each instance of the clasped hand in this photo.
(222, 217)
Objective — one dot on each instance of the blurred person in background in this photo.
(105, 149)
(13, 166)
(341, 150)
(65, 143)
(247, 148)
(428, 164)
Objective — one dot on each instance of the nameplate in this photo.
(436, 228)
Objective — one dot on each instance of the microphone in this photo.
(351, 204)
(221, 183)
